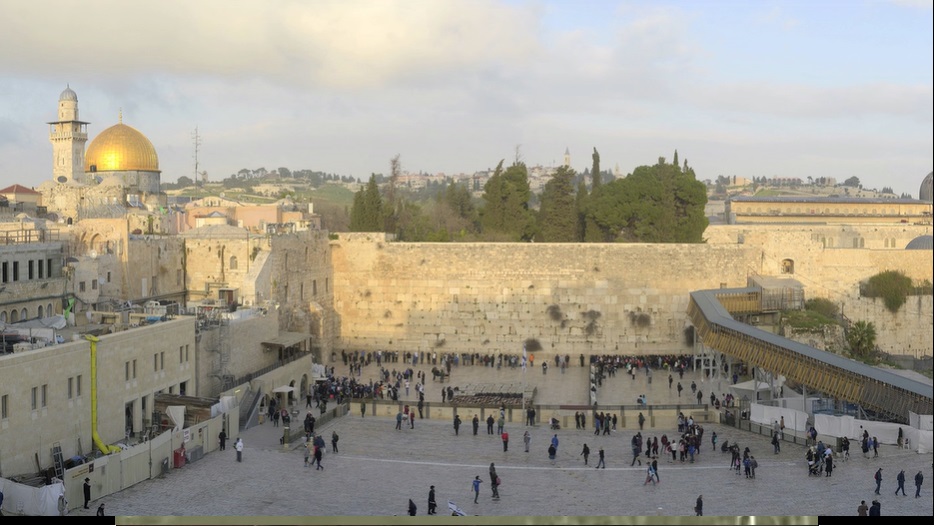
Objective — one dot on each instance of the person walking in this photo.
(875, 447)
(476, 486)
(754, 465)
(551, 451)
(501, 424)
(431, 501)
(876, 509)
(364, 407)
(654, 466)
(900, 483)
(863, 509)
(601, 458)
(221, 439)
(504, 439)
(239, 447)
(670, 381)
(491, 424)
(699, 505)
(412, 419)
(475, 425)
(455, 423)
(399, 420)
(918, 481)
(495, 482)
(526, 441)
(679, 389)
(585, 453)
(317, 455)
(878, 480)
(714, 440)
(334, 442)
(87, 491)
(641, 420)
(650, 473)
(306, 453)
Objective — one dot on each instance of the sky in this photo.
(769, 88)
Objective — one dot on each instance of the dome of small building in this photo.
(121, 147)
(68, 95)
(927, 189)
(921, 243)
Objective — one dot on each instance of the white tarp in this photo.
(748, 388)
(31, 501)
(921, 441)
(225, 405)
(177, 416)
(767, 415)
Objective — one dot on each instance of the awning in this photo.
(285, 389)
(288, 338)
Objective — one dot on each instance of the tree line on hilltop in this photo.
(658, 203)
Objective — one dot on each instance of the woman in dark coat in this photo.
(829, 466)
(494, 481)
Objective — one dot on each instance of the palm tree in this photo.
(861, 338)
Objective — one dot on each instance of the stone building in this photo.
(845, 210)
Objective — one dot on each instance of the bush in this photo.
(532, 345)
(892, 286)
(825, 307)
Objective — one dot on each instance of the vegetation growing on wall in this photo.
(861, 338)
(891, 286)
(823, 306)
(532, 345)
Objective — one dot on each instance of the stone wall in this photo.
(588, 298)
(910, 331)
(241, 339)
(624, 298)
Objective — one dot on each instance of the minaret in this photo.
(68, 136)
(566, 158)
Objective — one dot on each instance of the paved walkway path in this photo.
(379, 468)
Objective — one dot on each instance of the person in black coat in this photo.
(87, 490)
(918, 481)
(699, 505)
(875, 509)
(411, 509)
(431, 505)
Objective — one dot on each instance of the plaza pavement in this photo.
(379, 468)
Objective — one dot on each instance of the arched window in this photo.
(233, 264)
(39, 313)
(787, 266)
(14, 316)
(3, 316)
(49, 311)
(24, 315)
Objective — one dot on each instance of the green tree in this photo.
(659, 203)
(184, 181)
(505, 214)
(861, 338)
(852, 182)
(596, 172)
(367, 209)
(582, 198)
(557, 220)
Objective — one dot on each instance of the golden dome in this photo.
(121, 147)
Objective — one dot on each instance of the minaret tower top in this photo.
(68, 136)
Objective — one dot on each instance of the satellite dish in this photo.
(62, 179)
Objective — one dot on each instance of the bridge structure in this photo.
(879, 392)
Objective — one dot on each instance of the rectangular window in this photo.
(6, 272)
(81, 287)
(41, 269)
(31, 266)
(35, 398)
(4, 407)
(45, 389)
(49, 267)
(181, 351)
(71, 382)
(187, 353)
(108, 277)
(134, 368)
(94, 284)
(162, 360)
(78, 386)
(127, 371)
(156, 362)
(314, 289)
(16, 271)
(326, 285)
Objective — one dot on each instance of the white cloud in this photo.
(336, 44)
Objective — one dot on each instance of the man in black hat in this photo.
(87, 492)
(431, 508)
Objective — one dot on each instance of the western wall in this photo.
(593, 298)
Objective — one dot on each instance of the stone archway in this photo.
(787, 266)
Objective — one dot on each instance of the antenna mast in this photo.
(197, 141)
